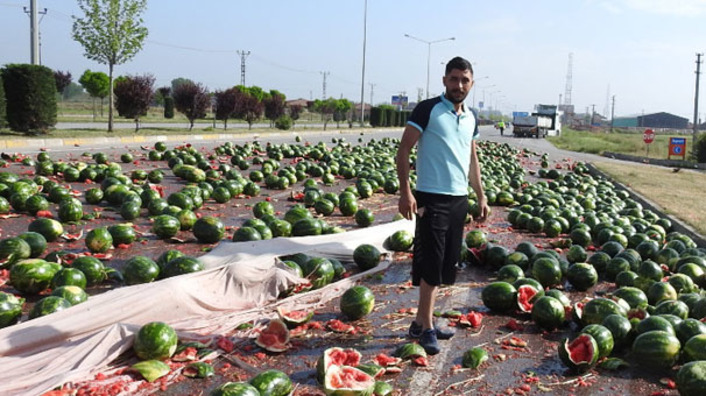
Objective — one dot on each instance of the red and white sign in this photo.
(649, 136)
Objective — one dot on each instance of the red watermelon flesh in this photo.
(345, 377)
(525, 294)
(581, 350)
(275, 337)
(344, 357)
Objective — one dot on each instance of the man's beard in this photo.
(453, 97)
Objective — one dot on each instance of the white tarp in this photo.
(40, 354)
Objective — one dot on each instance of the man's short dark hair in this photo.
(460, 64)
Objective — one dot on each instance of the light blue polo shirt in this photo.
(444, 147)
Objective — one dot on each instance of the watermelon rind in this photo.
(152, 369)
(359, 383)
(336, 356)
(279, 330)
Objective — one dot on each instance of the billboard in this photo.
(399, 100)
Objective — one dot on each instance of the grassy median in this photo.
(618, 142)
(678, 193)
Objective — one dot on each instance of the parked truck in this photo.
(545, 121)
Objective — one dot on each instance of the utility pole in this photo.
(420, 92)
(696, 101)
(35, 53)
(612, 114)
(372, 89)
(243, 56)
(593, 114)
(362, 79)
(324, 91)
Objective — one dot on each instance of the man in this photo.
(445, 130)
(501, 126)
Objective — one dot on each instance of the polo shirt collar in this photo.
(464, 109)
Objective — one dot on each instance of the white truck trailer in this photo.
(546, 121)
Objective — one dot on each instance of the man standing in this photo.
(445, 130)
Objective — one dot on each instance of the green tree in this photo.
(326, 108)
(97, 84)
(342, 110)
(111, 33)
(3, 111)
(180, 80)
(133, 96)
(72, 91)
(295, 111)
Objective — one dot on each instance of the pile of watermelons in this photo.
(654, 308)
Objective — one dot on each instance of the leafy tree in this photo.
(30, 91)
(326, 108)
(295, 111)
(161, 93)
(97, 84)
(248, 105)
(3, 104)
(133, 96)
(111, 33)
(275, 105)
(180, 80)
(342, 110)
(226, 102)
(192, 100)
(63, 80)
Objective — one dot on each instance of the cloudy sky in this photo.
(641, 51)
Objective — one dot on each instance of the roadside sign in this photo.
(649, 136)
(677, 148)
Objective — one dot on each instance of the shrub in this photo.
(284, 122)
(168, 107)
(377, 117)
(30, 91)
(2, 105)
(133, 96)
(63, 80)
(700, 148)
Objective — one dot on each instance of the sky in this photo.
(642, 52)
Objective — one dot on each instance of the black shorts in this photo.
(438, 237)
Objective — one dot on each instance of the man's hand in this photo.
(484, 209)
(407, 205)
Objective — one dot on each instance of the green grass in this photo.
(618, 142)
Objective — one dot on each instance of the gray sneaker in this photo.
(428, 342)
(415, 331)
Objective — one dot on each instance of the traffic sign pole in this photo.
(648, 137)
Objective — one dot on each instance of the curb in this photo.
(677, 224)
(655, 161)
(40, 143)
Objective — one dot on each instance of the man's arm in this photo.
(477, 184)
(407, 204)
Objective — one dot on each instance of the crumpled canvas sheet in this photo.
(240, 279)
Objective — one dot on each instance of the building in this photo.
(662, 120)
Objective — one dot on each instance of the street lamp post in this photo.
(473, 105)
(429, 43)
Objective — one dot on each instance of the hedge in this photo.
(30, 92)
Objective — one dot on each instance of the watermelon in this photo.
(346, 380)
(122, 234)
(140, 269)
(579, 354)
(348, 206)
(48, 305)
(92, 268)
(548, 313)
(357, 302)
(336, 356)
(510, 273)
(410, 351)
(688, 328)
(244, 234)
(476, 239)
(280, 228)
(526, 296)
(656, 349)
(695, 348)
(691, 378)
(594, 311)
(99, 240)
(620, 328)
(603, 337)
(235, 389)
(155, 340)
(366, 257)
(635, 297)
(14, 249)
(73, 294)
(33, 275)
(547, 271)
(319, 271)
(474, 357)
(364, 217)
(209, 229)
(69, 277)
(165, 226)
(307, 226)
(294, 318)
(130, 210)
(400, 241)
(182, 265)
(272, 383)
(661, 291)
(70, 210)
(499, 296)
(582, 276)
(36, 242)
(10, 309)
(275, 337)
